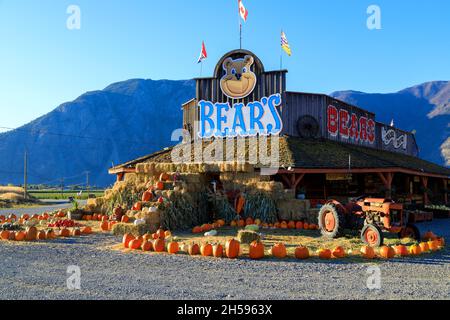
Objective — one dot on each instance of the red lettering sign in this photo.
(343, 123)
(332, 121)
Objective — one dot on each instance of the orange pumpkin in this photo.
(137, 206)
(433, 245)
(12, 236)
(161, 234)
(429, 235)
(256, 250)
(104, 225)
(40, 235)
(276, 225)
(125, 219)
(76, 232)
(4, 235)
(206, 250)
(135, 244)
(197, 230)
(86, 230)
(249, 221)
(415, 250)
(159, 245)
(147, 196)
(324, 254)
(338, 252)
(194, 249)
(20, 235)
(88, 217)
(64, 232)
(387, 252)
(279, 250)
(105, 218)
(401, 250)
(232, 249)
(241, 223)
(31, 234)
(127, 237)
(306, 226)
(313, 226)
(440, 242)
(258, 222)
(221, 222)
(50, 234)
(164, 177)
(424, 247)
(173, 248)
(368, 252)
(233, 224)
(302, 252)
(95, 217)
(299, 225)
(146, 245)
(291, 225)
(159, 185)
(283, 225)
(217, 251)
(167, 234)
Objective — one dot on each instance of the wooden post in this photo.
(120, 176)
(425, 187)
(387, 181)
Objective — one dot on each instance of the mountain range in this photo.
(132, 118)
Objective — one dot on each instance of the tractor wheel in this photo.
(331, 221)
(372, 235)
(410, 231)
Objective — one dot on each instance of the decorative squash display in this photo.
(194, 249)
(233, 224)
(135, 244)
(64, 232)
(76, 232)
(302, 253)
(50, 234)
(206, 250)
(159, 245)
(20, 235)
(104, 225)
(147, 196)
(127, 237)
(306, 225)
(324, 254)
(279, 250)
(429, 235)
(283, 225)
(401, 250)
(232, 249)
(291, 224)
(221, 222)
(159, 185)
(173, 247)
(4, 235)
(147, 245)
(161, 234)
(368, 252)
(86, 230)
(125, 219)
(256, 250)
(164, 177)
(440, 242)
(167, 234)
(40, 235)
(258, 222)
(217, 251)
(241, 223)
(338, 252)
(424, 247)
(12, 236)
(387, 252)
(433, 245)
(197, 230)
(299, 225)
(415, 250)
(249, 221)
(31, 233)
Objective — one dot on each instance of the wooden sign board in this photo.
(338, 176)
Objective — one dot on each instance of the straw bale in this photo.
(120, 229)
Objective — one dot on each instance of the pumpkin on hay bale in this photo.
(248, 236)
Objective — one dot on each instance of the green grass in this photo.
(56, 195)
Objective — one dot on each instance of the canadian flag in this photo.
(242, 11)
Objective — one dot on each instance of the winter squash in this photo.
(232, 248)
(401, 250)
(64, 232)
(299, 225)
(206, 250)
(76, 232)
(248, 221)
(173, 247)
(424, 247)
(276, 225)
(31, 234)
(161, 234)
(4, 235)
(283, 225)
(197, 230)
(40, 235)
(433, 245)
(137, 206)
(324, 254)
(167, 234)
(313, 226)
(302, 252)
(159, 185)
(50, 234)
(279, 250)
(12, 236)
(159, 245)
(127, 237)
(146, 245)
(291, 225)
(258, 222)
(20, 235)
(125, 219)
(135, 244)
(306, 225)
(194, 249)
(415, 250)
(241, 223)
(338, 252)
(221, 222)
(104, 225)
(387, 252)
(147, 196)
(105, 218)
(164, 177)
(88, 217)
(368, 252)
(86, 230)
(95, 217)
(256, 250)
(217, 251)
(233, 224)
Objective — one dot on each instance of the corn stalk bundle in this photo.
(222, 207)
(259, 205)
(124, 198)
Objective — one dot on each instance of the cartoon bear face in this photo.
(239, 81)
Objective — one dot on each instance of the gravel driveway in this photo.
(39, 271)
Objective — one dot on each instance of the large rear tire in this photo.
(410, 231)
(331, 221)
(372, 235)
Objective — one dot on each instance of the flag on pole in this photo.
(285, 44)
(203, 53)
(242, 11)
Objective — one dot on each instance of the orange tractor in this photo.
(371, 216)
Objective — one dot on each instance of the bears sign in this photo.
(239, 81)
(348, 126)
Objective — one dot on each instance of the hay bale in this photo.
(248, 236)
(140, 168)
(312, 216)
(120, 229)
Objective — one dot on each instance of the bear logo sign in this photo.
(239, 81)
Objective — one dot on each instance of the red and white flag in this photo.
(203, 53)
(242, 11)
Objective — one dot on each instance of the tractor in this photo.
(370, 215)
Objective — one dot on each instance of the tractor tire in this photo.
(331, 221)
(410, 231)
(372, 235)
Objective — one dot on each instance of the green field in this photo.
(57, 195)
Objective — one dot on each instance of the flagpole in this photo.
(281, 52)
(240, 35)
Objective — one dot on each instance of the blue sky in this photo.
(43, 64)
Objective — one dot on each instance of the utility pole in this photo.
(87, 182)
(25, 193)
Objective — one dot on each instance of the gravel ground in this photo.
(39, 271)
